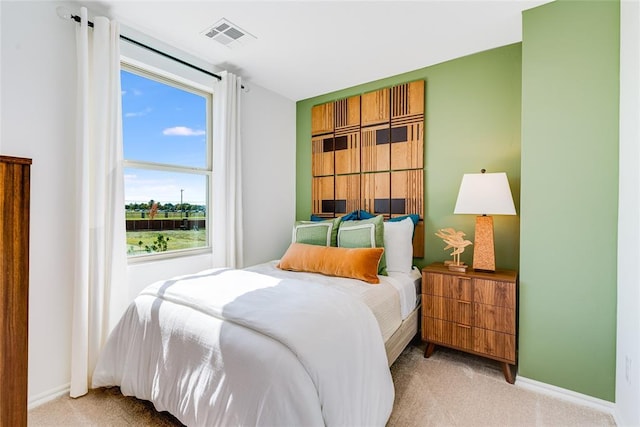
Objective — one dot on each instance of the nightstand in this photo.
(475, 312)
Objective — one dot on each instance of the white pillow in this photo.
(398, 245)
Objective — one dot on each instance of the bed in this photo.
(264, 346)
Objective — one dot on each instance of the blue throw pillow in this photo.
(365, 215)
(368, 215)
(351, 216)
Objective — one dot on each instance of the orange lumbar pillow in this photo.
(354, 263)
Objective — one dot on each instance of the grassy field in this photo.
(177, 239)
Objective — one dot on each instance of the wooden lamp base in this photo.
(484, 257)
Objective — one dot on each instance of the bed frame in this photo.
(402, 336)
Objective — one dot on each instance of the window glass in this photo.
(166, 139)
(163, 123)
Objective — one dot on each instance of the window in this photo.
(167, 145)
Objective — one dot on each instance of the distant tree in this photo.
(154, 209)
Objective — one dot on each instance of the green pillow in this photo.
(367, 233)
(322, 233)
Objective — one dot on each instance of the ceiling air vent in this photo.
(228, 34)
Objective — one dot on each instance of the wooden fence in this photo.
(165, 224)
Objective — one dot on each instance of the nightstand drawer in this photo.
(457, 311)
(495, 344)
(501, 319)
(448, 286)
(493, 292)
(449, 333)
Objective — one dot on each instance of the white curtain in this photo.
(100, 293)
(226, 209)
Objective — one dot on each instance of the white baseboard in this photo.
(568, 395)
(48, 395)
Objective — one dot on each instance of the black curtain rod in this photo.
(166, 55)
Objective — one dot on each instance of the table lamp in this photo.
(484, 194)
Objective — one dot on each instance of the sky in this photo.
(163, 124)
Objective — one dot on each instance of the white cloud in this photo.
(182, 131)
(138, 113)
(134, 92)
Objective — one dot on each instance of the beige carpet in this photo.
(448, 389)
(456, 389)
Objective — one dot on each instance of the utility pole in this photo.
(181, 205)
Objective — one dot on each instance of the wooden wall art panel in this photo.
(347, 113)
(322, 193)
(322, 119)
(408, 100)
(347, 152)
(347, 194)
(376, 148)
(368, 153)
(375, 107)
(407, 126)
(322, 160)
(407, 192)
(406, 146)
(376, 193)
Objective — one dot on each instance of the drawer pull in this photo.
(464, 302)
(463, 326)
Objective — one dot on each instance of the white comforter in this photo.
(236, 347)
(382, 299)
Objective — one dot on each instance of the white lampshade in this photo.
(485, 194)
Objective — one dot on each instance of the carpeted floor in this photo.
(456, 389)
(448, 389)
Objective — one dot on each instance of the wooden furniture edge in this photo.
(509, 367)
(500, 274)
(14, 289)
(20, 160)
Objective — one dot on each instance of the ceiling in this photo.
(308, 48)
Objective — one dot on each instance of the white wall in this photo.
(628, 324)
(37, 121)
(269, 164)
(38, 102)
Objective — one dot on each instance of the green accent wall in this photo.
(472, 121)
(570, 84)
